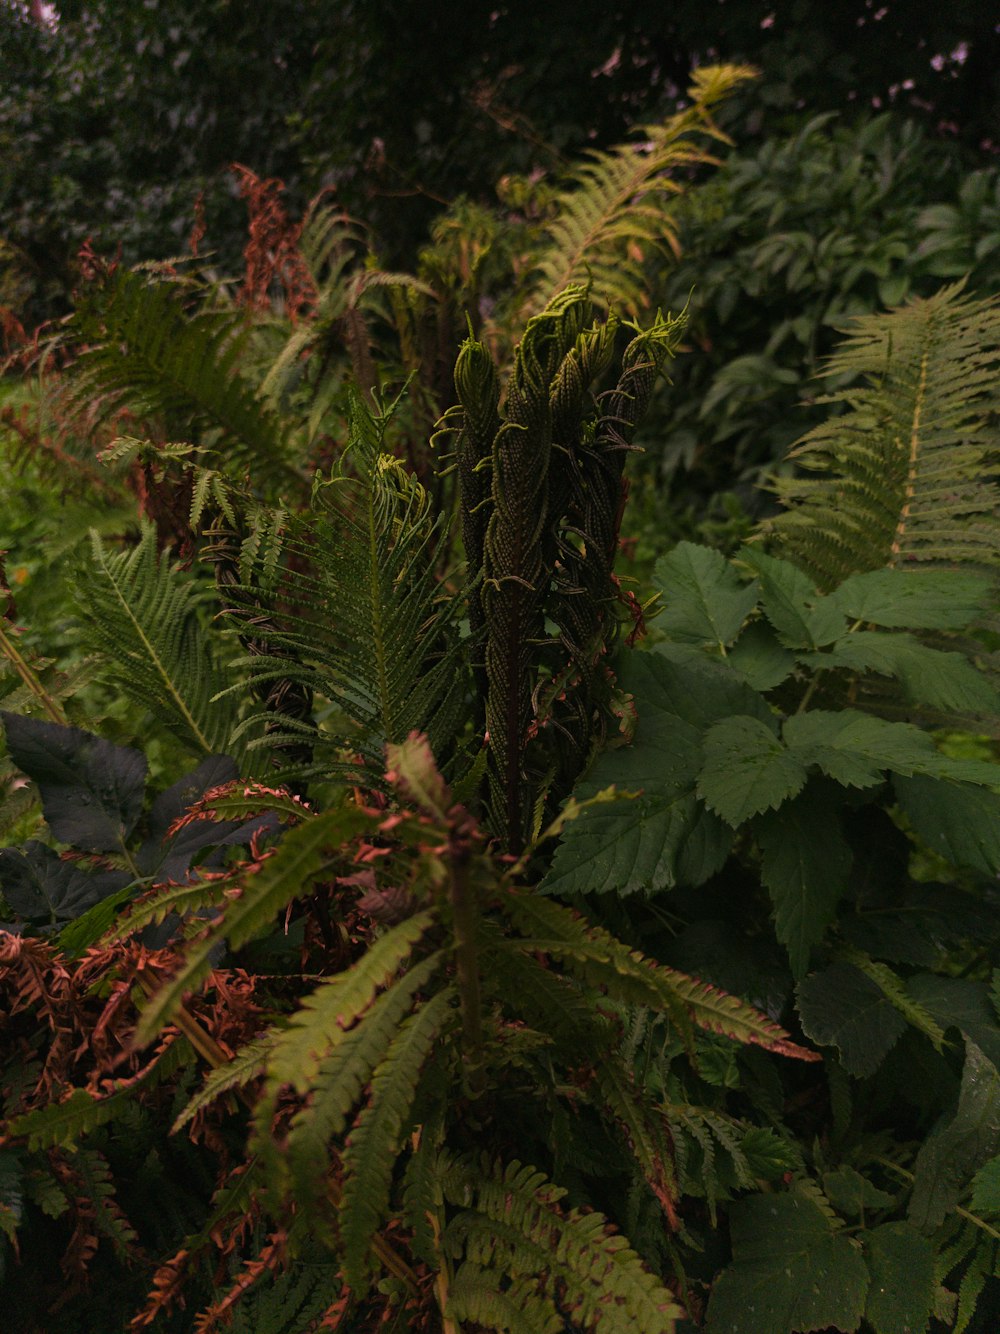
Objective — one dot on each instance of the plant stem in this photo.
(969, 1217)
(463, 912)
(30, 679)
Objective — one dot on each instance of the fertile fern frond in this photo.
(615, 212)
(142, 349)
(146, 618)
(908, 470)
(360, 617)
(524, 1250)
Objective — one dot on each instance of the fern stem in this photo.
(30, 679)
(463, 912)
(911, 467)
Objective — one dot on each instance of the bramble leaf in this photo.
(901, 1291)
(843, 1008)
(704, 600)
(790, 1272)
(801, 616)
(953, 1153)
(961, 822)
(747, 770)
(915, 599)
(805, 866)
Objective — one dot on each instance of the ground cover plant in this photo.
(495, 943)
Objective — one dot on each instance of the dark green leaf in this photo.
(960, 1002)
(705, 601)
(851, 1193)
(950, 1158)
(747, 770)
(801, 616)
(901, 1287)
(843, 1008)
(790, 1272)
(91, 790)
(928, 676)
(768, 1155)
(986, 1188)
(855, 749)
(959, 821)
(915, 599)
(760, 658)
(806, 864)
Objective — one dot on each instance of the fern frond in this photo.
(305, 855)
(602, 961)
(507, 1306)
(908, 469)
(248, 1064)
(361, 619)
(369, 1157)
(346, 1059)
(512, 1225)
(144, 616)
(615, 212)
(142, 349)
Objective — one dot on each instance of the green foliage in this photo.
(912, 453)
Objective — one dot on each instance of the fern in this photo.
(516, 1230)
(907, 470)
(363, 622)
(143, 350)
(145, 617)
(376, 1137)
(601, 960)
(615, 212)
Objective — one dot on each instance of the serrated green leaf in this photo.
(915, 599)
(805, 865)
(747, 770)
(769, 1156)
(951, 1156)
(801, 616)
(941, 680)
(986, 1188)
(962, 1003)
(704, 600)
(960, 822)
(760, 658)
(851, 1193)
(842, 1008)
(901, 1288)
(856, 749)
(790, 1272)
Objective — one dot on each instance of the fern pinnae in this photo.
(143, 615)
(376, 1137)
(248, 1064)
(907, 471)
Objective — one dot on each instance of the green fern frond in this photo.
(361, 619)
(144, 350)
(907, 470)
(289, 1303)
(346, 1060)
(601, 960)
(248, 1064)
(615, 213)
(145, 617)
(512, 1225)
(508, 1306)
(370, 1154)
